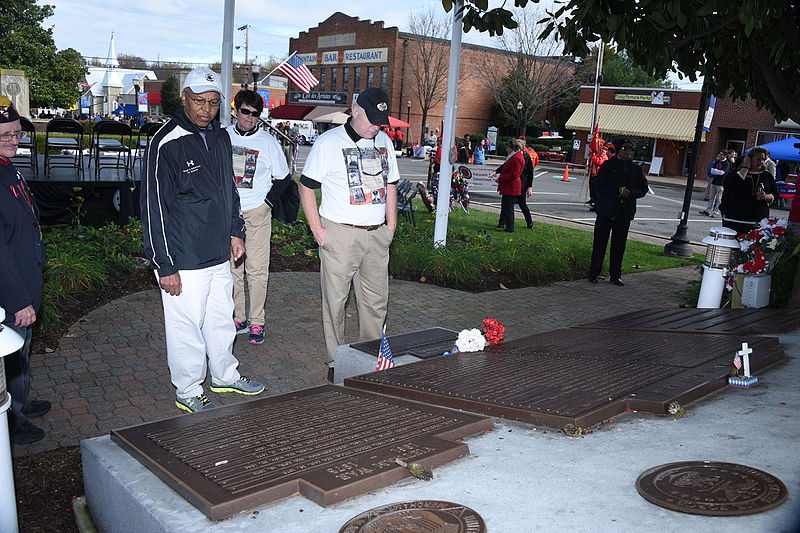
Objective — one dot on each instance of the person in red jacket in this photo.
(509, 184)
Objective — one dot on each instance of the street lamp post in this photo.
(519, 119)
(408, 119)
(256, 74)
(136, 82)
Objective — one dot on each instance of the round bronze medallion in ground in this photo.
(711, 488)
(417, 516)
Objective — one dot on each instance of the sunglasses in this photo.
(248, 112)
(626, 147)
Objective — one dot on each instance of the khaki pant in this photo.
(361, 257)
(254, 266)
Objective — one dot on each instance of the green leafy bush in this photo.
(80, 258)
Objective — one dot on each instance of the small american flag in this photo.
(737, 362)
(385, 359)
(298, 72)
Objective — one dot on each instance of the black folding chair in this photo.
(111, 152)
(146, 132)
(28, 142)
(405, 200)
(68, 150)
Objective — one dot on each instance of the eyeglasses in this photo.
(214, 102)
(626, 147)
(8, 137)
(248, 112)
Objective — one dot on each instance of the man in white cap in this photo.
(356, 169)
(192, 227)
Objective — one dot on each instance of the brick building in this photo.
(662, 123)
(348, 55)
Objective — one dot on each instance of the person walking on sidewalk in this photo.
(261, 176)
(716, 175)
(620, 182)
(21, 264)
(192, 226)
(355, 166)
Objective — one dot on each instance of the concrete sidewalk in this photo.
(110, 370)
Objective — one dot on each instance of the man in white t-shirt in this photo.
(261, 176)
(355, 166)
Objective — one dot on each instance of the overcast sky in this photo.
(190, 31)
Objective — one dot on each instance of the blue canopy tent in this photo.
(783, 150)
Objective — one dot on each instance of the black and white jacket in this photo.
(189, 204)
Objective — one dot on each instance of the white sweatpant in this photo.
(199, 323)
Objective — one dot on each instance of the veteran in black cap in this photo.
(619, 183)
(21, 263)
(355, 167)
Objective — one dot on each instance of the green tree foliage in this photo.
(747, 48)
(170, 95)
(26, 45)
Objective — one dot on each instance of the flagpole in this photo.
(276, 68)
(598, 77)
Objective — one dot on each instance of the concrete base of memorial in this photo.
(351, 362)
(519, 477)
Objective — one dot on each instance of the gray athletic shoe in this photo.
(243, 385)
(195, 403)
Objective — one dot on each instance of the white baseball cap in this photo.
(201, 80)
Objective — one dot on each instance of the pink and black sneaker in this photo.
(256, 334)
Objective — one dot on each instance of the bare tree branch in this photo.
(428, 57)
(531, 70)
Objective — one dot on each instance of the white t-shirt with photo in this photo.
(257, 161)
(353, 176)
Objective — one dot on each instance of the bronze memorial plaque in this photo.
(689, 320)
(422, 344)
(711, 488)
(327, 443)
(573, 376)
(417, 517)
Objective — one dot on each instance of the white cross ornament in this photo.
(744, 353)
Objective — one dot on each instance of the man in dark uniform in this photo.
(620, 182)
(21, 263)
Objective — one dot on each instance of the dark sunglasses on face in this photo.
(244, 111)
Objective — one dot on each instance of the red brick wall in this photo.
(474, 99)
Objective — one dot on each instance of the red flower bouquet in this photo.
(493, 330)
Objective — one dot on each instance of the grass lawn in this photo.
(477, 256)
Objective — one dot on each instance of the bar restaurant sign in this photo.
(296, 97)
(652, 98)
(346, 57)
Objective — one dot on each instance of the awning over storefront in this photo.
(328, 115)
(637, 121)
(290, 112)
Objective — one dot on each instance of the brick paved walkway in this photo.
(110, 369)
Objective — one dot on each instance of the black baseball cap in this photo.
(375, 102)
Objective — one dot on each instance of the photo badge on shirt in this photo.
(367, 172)
(245, 161)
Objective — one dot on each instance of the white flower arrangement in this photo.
(470, 340)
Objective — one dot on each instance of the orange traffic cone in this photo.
(566, 173)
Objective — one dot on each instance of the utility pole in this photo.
(246, 30)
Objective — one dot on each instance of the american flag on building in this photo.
(294, 69)
(385, 359)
